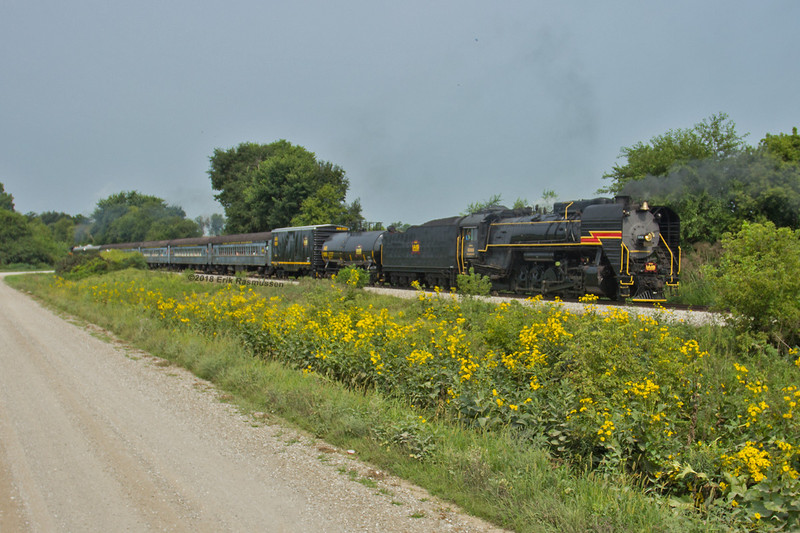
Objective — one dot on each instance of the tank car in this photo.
(360, 249)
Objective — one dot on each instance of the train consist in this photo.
(611, 248)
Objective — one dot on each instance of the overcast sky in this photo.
(427, 105)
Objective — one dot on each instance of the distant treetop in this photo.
(132, 217)
(262, 187)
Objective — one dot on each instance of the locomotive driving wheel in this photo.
(526, 278)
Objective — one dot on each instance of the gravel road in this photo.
(95, 436)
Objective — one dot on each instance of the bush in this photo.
(27, 242)
(354, 277)
(695, 288)
(473, 284)
(84, 264)
(758, 280)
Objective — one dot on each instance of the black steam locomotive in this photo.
(611, 248)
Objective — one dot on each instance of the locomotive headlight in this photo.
(646, 238)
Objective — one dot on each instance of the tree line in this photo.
(260, 187)
(40, 240)
(707, 173)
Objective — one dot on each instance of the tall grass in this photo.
(695, 290)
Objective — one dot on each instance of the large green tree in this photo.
(715, 197)
(327, 206)
(713, 180)
(713, 138)
(262, 187)
(132, 216)
(25, 240)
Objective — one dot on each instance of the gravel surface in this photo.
(668, 315)
(95, 436)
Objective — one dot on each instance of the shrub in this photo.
(352, 277)
(758, 280)
(27, 242)
(473, 284)
(84, 264)
(695, 288)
